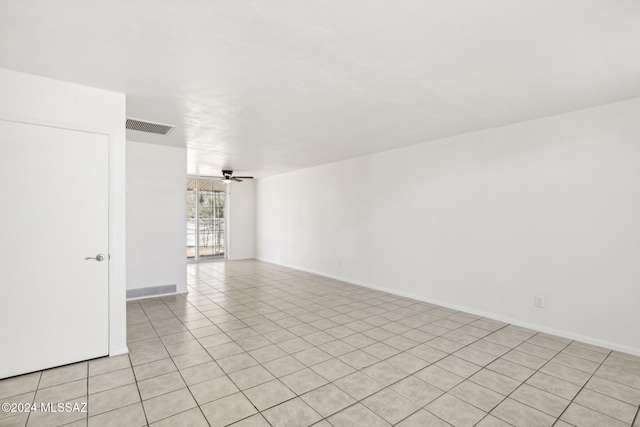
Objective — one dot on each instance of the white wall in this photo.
(156, 216)
(482, 222)
(32, 99)
(241, 211)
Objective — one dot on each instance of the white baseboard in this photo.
(118, 351)
(498, 317)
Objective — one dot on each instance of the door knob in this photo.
(98, 257)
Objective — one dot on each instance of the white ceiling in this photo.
(264, 87)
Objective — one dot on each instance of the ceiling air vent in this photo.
(149, 127)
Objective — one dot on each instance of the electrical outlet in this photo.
(539, 301)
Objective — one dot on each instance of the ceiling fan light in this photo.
(226, 180)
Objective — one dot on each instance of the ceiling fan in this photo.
(227, 176)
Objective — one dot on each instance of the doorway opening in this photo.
(206, 219)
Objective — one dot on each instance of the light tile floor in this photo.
(254, 344)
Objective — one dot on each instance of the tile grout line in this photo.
(635, 418)
(522, 382)
(525, 381)
(144, 411)
(579, 391)
(87, 415)
(35, 393)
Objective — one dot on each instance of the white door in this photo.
(53, 215)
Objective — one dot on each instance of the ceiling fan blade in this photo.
(235, 178)
(244, 177)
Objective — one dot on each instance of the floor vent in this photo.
(151, 291)
(149, 127)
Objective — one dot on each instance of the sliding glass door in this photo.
(206, 223)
